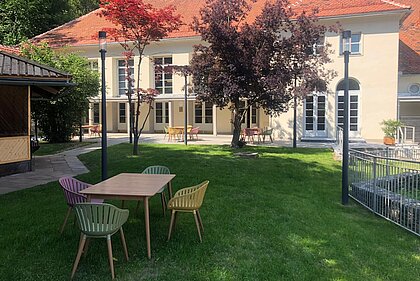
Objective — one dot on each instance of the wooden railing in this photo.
(14, 149)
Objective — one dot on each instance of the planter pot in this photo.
(389, 141)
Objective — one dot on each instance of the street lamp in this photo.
(346, 37)
(102, 50)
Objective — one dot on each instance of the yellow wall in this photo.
(376, 68)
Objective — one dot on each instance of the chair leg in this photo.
(162, 198)
(171, 224)
(86, 247)
(122, 204)
(198, 225)
(124, 244)
(79, 254)
(200, 221)
(65, 219)
(111, 262)
(271, 138)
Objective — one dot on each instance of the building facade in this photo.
(376, 86)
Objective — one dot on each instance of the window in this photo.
(122, 112)
(96, 113)
(315, 113)
(163, 81)
(253, 115)
(93, 64)
(355, 43)
(122, 81)
(208, 110)
(198, 113)
(162, 112)
(318, 46)
(203, 113)
(353, 111)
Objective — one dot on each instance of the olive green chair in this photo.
(188, 200)
(99, 221)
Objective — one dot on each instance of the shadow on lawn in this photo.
(277, 217)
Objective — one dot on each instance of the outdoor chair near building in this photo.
(71, 188)
(95, 130)
(165, 129)
(188, 200)
(267, 132)
(194, 131)
(99, 221)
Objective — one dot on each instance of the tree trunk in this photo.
(237, 118)
(136, 144)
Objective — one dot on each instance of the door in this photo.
(314, 116)
(354, 112)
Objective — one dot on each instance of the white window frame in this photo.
(120, 119)
(125, 80)
(163, 89)
(165, 112)
(313, 132)
(360, 43)
(353, 134)
(204, 117)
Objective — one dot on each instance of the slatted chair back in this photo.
(189, 198)
(71, 188)
(100, 219)
(156, 170)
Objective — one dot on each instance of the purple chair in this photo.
(71, 188)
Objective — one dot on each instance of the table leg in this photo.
(147, 225)
(170, 189)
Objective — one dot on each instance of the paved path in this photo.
(52, 167)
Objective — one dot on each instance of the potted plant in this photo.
(389, 127)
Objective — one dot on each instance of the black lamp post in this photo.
(102, 50)
(346, 37)
(185, 108)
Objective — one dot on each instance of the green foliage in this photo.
(274, 218)
(59, 117)
(23, 19)
(390, 126)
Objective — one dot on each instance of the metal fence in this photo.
(388, 186)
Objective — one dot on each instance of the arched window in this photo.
(353, 85)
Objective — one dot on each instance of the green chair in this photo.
(99, 221)
(188, 200)
(267, 132)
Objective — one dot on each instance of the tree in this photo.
(256, 62)
(137, 25)
(59, 117)
(23, 19)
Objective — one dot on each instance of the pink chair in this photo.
(71, 188)
(194, 131)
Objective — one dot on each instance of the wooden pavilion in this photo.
(20, 81)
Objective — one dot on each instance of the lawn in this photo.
(277, 217)
(46, 148)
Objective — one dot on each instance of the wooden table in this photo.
(127, 186)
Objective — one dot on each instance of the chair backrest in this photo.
(268, 132)
(99, 219)
(194, 130)
(71, 188)
(165, 129)
(189, 198)
(248, 132)
(156, 170)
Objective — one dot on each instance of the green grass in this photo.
(53, 148)
(277, 217)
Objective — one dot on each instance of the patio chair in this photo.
(99, 221)
(188, 200)
(194, 131)
(267, 132)
(71, 188)
(95, 130)
(158, 170)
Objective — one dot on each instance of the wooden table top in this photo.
(130, 184)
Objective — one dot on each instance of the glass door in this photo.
(353, 111)
(314, 116)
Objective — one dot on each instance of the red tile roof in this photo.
(81, 30)
(10, 50)
(410, 40)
